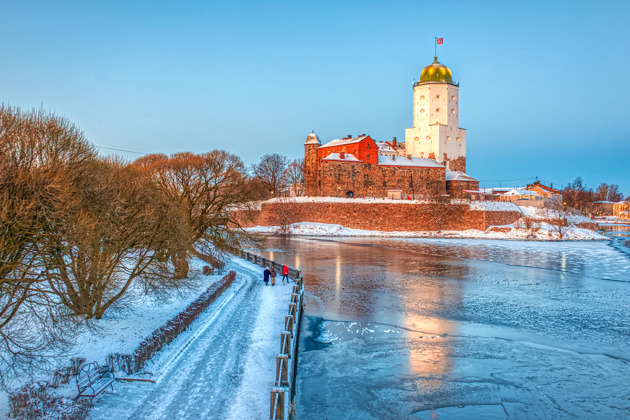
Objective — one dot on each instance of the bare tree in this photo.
(111, 230)
(442, 210)
(206, 188)
(557, 218)
(284, 214)
(36, 150)
(269, 172)
(294, 176)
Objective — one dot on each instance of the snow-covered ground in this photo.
(222, 367)
(224, 363)
(543, 231)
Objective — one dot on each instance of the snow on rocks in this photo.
(494, 206)
(542, 232)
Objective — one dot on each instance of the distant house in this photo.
(533, 195)
(624, 215)
(602, 208)
(620, 207)
(544, 191)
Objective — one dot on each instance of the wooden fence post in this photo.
(293, 309)
(288, 324)
(279, 413)
(282, 369)
(285, 343)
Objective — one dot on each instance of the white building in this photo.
(435, 133)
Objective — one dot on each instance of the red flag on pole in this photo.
(439, 41)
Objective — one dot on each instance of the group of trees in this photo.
(576, 194)
(77, 231)
(276, 174)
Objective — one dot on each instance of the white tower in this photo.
(435, 133)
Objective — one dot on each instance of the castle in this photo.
(430, 162)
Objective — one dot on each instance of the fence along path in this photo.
(286, 361)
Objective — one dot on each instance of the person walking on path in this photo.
(273, 275)
(266, 274)
(285, 274)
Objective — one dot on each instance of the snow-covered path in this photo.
(226, 371)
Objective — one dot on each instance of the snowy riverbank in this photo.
(543, 232)
(249, 347)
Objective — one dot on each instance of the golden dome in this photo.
(436, 73)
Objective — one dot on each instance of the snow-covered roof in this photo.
(384, 147)
(341, 142)
(625, 212)
(402, 161)
(518, 191)
(458, 176)
(348, 157)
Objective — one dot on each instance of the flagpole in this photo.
(435, 45)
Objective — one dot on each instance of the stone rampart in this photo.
(382, 216)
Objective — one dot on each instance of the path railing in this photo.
(286, 361)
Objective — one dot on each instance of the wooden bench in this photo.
(92, 380)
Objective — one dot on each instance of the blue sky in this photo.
(543, 89)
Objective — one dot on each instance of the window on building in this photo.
(452, 110)
(416, 139)
(458, 139)
(422, 110)
(422, 97)
(366, 178)
(453, 97)
(437, 109)
(437, 96)
(384, 184)
(428, 137)
(369, 145)
(368, 157)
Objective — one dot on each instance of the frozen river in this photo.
(458, 329)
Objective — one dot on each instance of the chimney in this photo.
(551, 185)
(342, 155)
(349, 136)
(394, 142)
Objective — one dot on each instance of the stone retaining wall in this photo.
(389, 217)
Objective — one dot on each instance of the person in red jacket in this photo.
(285, 274)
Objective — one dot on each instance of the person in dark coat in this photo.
(266, 274)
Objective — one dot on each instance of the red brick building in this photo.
(354, 165)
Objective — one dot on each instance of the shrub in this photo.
(34, 401)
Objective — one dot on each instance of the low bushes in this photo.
(131, 363)
(35, 401)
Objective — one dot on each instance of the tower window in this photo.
(416, 139)
(458, 139)
(428, 137)
(452, 110)
(422, 110)
(437, 109)
(437, 96)
(448, 137)
(422, 97)
(453, 97)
